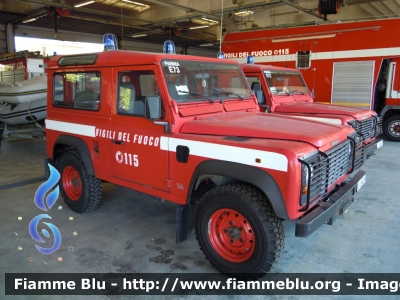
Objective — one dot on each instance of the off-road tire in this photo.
(391, 133)
(81, 191)
(231, 207)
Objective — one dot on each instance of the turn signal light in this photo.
(304, 189)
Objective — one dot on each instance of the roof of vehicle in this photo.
(258, 68)
(124, 57)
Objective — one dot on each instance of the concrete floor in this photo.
(134, 233)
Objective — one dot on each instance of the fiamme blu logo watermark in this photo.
(45, 204)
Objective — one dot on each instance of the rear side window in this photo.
(77, 90)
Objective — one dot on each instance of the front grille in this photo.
(368, 128)
(326, 168)
(359, 157)
(338, 161)
(379, 126)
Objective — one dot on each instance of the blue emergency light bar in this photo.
(221, 55)
(169, 47)
(110, 42)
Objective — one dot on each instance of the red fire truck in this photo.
(344, 63)
(188, 129)
(283, 90)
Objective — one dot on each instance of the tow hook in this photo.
(345, 208)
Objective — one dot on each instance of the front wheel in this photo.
(81, 191)
(238, 231)
(391, 128)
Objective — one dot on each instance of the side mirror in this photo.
(152, 107)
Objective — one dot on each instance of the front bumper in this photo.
(336, 204)
(370, 148)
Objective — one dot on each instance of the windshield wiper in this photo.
(196, 94)
(232, 93)
(284, 93)
(296, 91)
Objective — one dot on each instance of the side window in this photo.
(303, 60)
(133, 87)
(77, 90)
(253, 80)
(255, 85)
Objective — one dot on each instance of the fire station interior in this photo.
(132, 232)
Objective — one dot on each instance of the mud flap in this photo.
(184, 222)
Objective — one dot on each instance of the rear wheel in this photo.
(238, 231)
(81, 191)
(391, 128)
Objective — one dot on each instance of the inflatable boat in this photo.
(21, 113)
(29, 90)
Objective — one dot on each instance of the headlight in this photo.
(309, 166)
(350, 151)
(305, 175)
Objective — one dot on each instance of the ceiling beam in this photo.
(370, 9)
(182, 7)
(384, 4)
(91, 11)
(216, 13)
(302, 9)
(358, 2)
(380, 9)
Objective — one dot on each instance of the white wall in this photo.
(35, 32)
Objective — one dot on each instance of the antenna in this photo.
(221, 54)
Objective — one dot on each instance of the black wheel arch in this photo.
(67, 141)
(388, 111)
(247, 174)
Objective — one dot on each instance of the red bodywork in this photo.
(144, 158)
(371, 42)
(302, 105)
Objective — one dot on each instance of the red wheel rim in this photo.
(231, 235)
(72, 183)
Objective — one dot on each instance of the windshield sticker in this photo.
(182, 89)
(173, 66)
(268, 74)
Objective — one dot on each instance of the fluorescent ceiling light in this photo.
(205, 21)
(29, 20)
(206, 45)
(133, 2)
(209, 20)
(244, 13)
(137, 5)
(84, 3)
(198, 27)
(138, 35)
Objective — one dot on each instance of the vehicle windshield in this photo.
(285, 82)
(190, 81)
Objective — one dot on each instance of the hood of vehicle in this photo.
(319, 108)
(267, 126)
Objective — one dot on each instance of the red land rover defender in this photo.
(283, 90)
(188, 129)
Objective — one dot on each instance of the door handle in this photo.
(117, 142)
